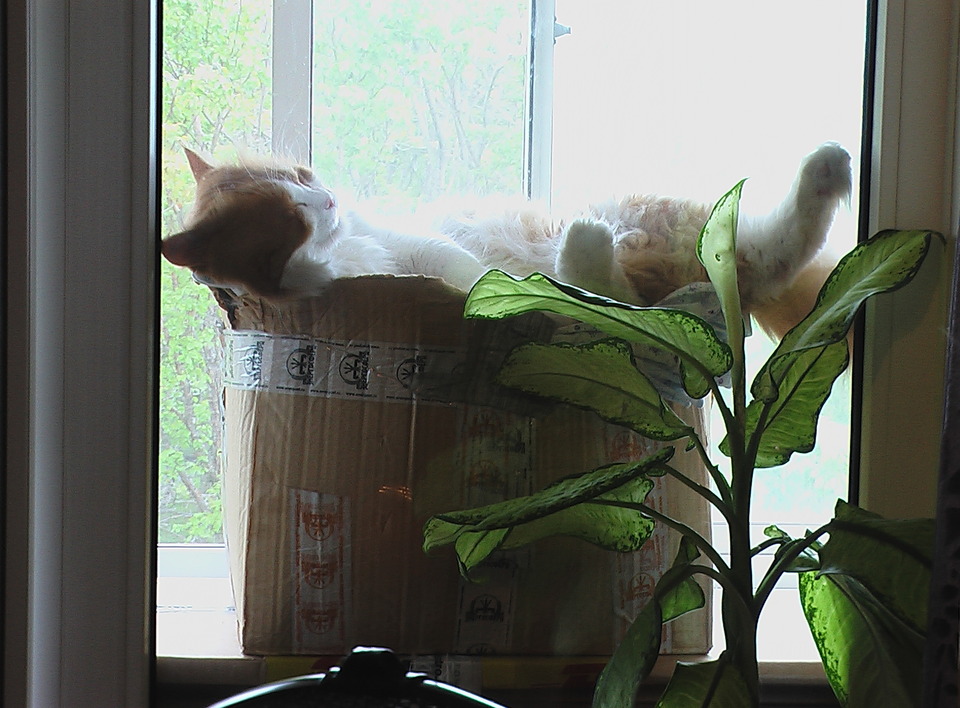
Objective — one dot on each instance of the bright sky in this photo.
(688, 97)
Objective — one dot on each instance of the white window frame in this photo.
(292, 79)
(81, 309)
(913, 184)
(538, 136)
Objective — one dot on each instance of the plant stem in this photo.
(779, 566)
(723, 486)
(740, 632)
(724, 580)
(741, 635)
(698, 540)
(761, 547)
(721, 505)
(729, 420)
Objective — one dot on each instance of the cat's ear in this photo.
(198, 165)
(182, 249)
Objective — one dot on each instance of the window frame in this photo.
(292, 106)
(80, 390)
(80, 331)
(913, 176)
(538, 136)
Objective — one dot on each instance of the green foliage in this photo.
(864, 590)
(414, 100)
(791, 424)
(676, 594)
(717, 251)
(866, 605)
(703, 354)
(886, 262)
(600, 376)
(557, 510)
(216, 92)
(713, 683)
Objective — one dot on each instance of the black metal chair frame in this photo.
(370, 677)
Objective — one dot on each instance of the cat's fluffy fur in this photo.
(275, 231)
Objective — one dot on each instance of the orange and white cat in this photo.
(275, 231)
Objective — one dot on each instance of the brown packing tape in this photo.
(389, 462)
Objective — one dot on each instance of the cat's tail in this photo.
(774, 252)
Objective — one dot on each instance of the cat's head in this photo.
(247, 221)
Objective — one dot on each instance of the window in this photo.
(644, 97)
(443, 90)
(462, 133)
(77, 486)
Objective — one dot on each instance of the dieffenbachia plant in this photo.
(863, 580)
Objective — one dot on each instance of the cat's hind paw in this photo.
(586, 253)
(826, 173)
(587, 259)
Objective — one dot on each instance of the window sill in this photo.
(195, 602)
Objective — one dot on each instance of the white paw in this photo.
(826, 172)
(586, 252)
(586, 240)
(586, 259)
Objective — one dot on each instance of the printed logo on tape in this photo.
(331, 368)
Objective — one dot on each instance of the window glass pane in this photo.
(442, 93)
(413, 100)
(216, 98)
(687, 98)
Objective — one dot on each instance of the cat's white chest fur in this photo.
(342, 245)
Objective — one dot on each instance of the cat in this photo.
(273, 230)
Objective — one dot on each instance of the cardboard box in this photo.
(350, 420)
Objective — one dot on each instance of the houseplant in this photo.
(863, 580)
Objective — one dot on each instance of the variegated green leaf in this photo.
(702, 353)
(599, 376)
(867, 606)
(788, 423)
(870, 657)
(717, 251)
(893, 558)
(885, 262)
(709, 684)
(676, 594)
(560, 509)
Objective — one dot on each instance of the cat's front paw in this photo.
(826, 172)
